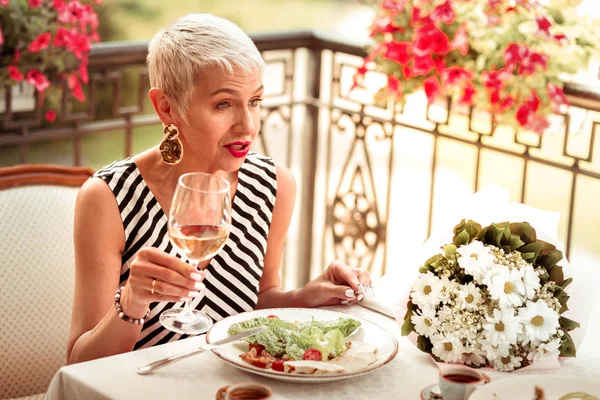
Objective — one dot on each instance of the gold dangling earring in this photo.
(171, 148)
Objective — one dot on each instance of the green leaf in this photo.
(524, 231)
(449, 250)
(567, 346)
(407, 326)
(567, 324)
(424, 344)
(534, 247)
(556, 274)
(565, 283)
(549, 256)
(462, 238)
(515, 242)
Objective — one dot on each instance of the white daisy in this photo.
(448, 290)
(531, 280)
(493, 352)
(447, 347)
(507, 287)
(539, 320)
(469, 296)
(545, 349)
(508, 363)
(475, 259)
(425, 322)
(426, 290)
(502, 328)
(474, 359)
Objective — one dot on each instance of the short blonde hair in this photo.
(178, 54)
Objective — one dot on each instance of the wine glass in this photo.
(199, 222)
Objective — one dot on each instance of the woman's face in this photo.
(223, 119)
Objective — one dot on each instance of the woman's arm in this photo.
(96, 329)
(336, 284)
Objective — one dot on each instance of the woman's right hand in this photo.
(175, 281)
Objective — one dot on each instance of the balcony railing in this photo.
(373, 180)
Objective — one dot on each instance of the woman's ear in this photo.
(162, 105)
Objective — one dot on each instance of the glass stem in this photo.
(187, 312)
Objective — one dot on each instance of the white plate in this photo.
(368, 332)
(523, 387)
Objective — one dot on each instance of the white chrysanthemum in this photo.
(476, 259)
(426, 290)
(474, 359)
(508, 363)
(469, 296)
(448, 290)
(539, 320)
(531, 281)
(425, 322)
(545, 349)
(502, 327)
(507, 287)
(447, 347)
(493, 352)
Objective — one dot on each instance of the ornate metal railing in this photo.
(354, 159)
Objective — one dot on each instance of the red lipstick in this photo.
(238, 149)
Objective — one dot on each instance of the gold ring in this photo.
(153, 283)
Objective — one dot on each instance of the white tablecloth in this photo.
(200, 376)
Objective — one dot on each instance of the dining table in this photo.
(202, 375)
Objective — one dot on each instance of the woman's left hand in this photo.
(336, 285)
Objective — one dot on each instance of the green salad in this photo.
(294, 339)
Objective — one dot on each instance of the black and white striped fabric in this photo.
(233, 274)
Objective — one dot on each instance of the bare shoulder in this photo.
(286, 183)
(97, 213)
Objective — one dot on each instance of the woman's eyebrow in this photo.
(232, 91)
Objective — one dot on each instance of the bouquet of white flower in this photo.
(494, 297)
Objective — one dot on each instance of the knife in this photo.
(165, 361)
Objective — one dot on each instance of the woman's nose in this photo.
(247, 123)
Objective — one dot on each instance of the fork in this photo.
(366, 290)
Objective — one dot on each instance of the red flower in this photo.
(398, 52)
(454, 75)
(62, 38)
(383, 25)
(558, 100)
(394, 86)
(37, 79)
(415, 15)
(4, 3)
(496, 80)
(58, 3)
(422, 65)
(468, 94)
(524, 113)
(407, 72)
(460, 41)
(75, 86)
(79, 44)
(561, 38)
(443, 13)
(544, 25)
(394, 5)
(50, 115)
(40, 43)
(1, 36)
(17, 56)
(432, 88)
(72, 12)
(515, 53)
(430, 39)
(538, 124)
(35, 3)
(533, 101)
(14, 73)
(83, 72)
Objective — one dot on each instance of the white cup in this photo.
(458, 382)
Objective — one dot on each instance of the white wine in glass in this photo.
(199, 223)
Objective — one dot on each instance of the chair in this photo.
(36, 274)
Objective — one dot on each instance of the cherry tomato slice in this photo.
(277, 365)
(257, 362)
(312, 354)
(273, 317)
(259, 348)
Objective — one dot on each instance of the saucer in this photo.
(431, 392)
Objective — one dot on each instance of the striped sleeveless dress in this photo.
(233, 274)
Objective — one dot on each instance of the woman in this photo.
(205, 75)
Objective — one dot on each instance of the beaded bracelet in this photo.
(122, 315)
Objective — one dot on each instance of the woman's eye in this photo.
(255, 102)
(222, 105)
